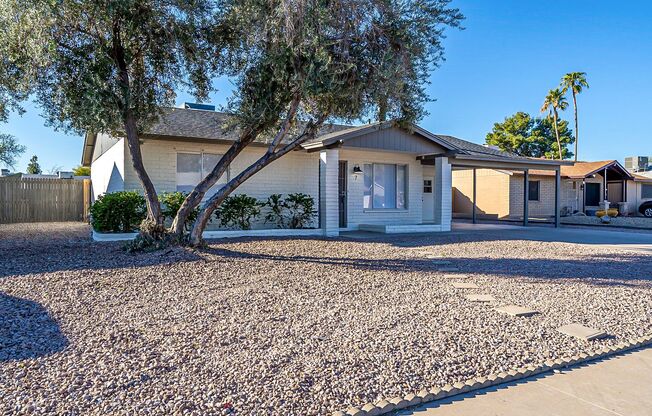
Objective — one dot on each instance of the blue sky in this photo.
(510, 54)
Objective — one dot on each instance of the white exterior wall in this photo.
(108, 170)
(357, 215)
(294, 172)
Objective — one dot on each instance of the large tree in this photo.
(528, 136)
(307, 62)
(575, 82)
(110, 65)
(10, 150)
(553, 104)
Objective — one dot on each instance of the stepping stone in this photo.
(455, 276)
(516, 310)
(480, 298)
(464, 285)
(582, 332)
(448, 269)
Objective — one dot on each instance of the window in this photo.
(646, 191)
(193, 167)
(533, 191)
(427, 186)
(385, 186)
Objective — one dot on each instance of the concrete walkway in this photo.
(637, 241)
(620, 385)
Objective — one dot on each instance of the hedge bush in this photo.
(238, 211)
(118, 212)
(170, 204)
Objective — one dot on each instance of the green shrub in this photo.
(170, 204)
(300, 210)
(118, 212)
(238, 211)
(275, 212)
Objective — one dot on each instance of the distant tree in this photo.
(553, 103)
(109, 66)
(33, 167)
(575, 82)
(531, 137)
(10, 150)
(82, 171)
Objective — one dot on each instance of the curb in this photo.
(426, 396)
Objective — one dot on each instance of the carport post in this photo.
(557, 195)
(474, 195)
(526, 194)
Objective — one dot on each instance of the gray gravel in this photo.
(288, 326)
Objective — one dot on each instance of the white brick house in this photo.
(374, 177)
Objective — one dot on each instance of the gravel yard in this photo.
(289, 326)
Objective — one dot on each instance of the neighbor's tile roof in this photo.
(578, 170)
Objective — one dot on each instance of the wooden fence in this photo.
(43, 199)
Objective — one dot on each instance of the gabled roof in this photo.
(452, 144)
(195, 124)
(581, 170)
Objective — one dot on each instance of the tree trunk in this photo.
(195, 197)
(577, 129)
(270, 156)
(554, 115)
(153, 225)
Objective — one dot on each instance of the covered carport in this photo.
(480, 157)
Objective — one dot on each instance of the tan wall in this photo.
(492, 192)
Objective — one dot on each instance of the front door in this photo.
(342, 186)
(427, 196)
(592, 198)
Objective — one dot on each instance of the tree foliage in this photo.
(10, 150)
(110, 65)
(82, 171)
(531, 137)
(575, 82)
(301, 64)
(33, 167)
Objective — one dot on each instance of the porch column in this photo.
(475, 201)
(557, 196)
(606, 186)
(328, 192)
(443, 193)
(526, 199)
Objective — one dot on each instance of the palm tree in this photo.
(575, 82)
(554, 102)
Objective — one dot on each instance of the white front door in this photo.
(427, 196)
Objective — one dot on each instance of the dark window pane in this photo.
(533, 194)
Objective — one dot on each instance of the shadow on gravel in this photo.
(27, 330)
(603, 270)
(86, 256)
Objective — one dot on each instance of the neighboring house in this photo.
(584, 188)
(374, 177)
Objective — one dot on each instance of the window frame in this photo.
(529, 190)
(645, 186)
(405, 206)
(202, 173)
(427, 186)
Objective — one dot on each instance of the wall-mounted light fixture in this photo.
(356, 171)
